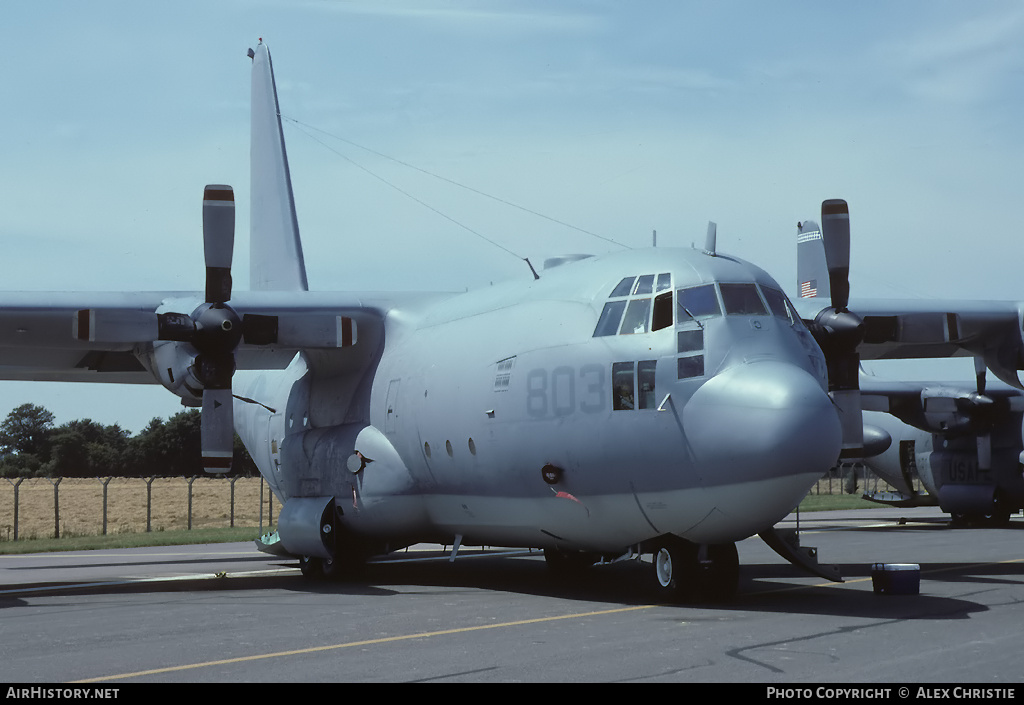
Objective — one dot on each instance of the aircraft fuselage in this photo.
(587, 410)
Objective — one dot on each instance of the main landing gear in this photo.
(314, 567)
(337, 568)
(688, 572)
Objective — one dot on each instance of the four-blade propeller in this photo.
(214, 330)
(838, 330)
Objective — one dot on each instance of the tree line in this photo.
(31, 445)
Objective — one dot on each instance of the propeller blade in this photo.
(851, 418)
(218, 240)
(979, 372)
(835, 232)
(217, 429)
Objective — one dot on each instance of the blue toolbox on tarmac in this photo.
(896, 578)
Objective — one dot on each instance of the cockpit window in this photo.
(662, 311)
(698, 302)
(608, 324)
(742, 300)
(779, 304)
(645, 284)
(636, 318)
(628, 316)
(623, 288)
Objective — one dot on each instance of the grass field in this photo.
(133, 507)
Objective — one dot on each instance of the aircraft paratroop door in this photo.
(391, 409)
(274, 446)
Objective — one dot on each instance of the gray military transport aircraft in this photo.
(665, 402)
(963, 440)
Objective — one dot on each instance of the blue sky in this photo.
(618, 118)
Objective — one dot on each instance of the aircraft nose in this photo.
(762, 421)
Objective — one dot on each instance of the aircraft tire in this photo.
(720, 572)
(310, 566)
(331, 568)
(676, 569)
(338, 568)
(972, 520)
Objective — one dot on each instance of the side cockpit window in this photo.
(608, 324)
(780, 305)
(695, 304)
(662, 311)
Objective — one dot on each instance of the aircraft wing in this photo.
(899, 398)
(918, 328)
(110, 336)
(36, 340)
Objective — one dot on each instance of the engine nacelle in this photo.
(173, 366)
(307, 527)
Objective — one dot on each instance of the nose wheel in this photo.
(689, 572)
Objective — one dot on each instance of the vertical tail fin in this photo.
(811, 269)
(275, 259)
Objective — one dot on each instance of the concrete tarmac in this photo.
(227, 613)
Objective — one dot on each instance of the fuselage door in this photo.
(391, 410)
(274, 437)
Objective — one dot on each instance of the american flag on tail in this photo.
(809, 289)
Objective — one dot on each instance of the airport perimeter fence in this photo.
(40, 507)
(53, 507)
(854, 478)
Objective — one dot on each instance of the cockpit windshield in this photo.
(698, 302)
(643, 304)
(742, 300)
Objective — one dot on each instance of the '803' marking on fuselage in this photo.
(565, 390)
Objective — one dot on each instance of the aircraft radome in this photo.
(667, 402)
(963, 440)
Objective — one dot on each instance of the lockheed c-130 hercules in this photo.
(655, 401)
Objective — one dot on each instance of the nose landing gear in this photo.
(689, 572)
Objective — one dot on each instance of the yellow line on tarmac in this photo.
(367, 642)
